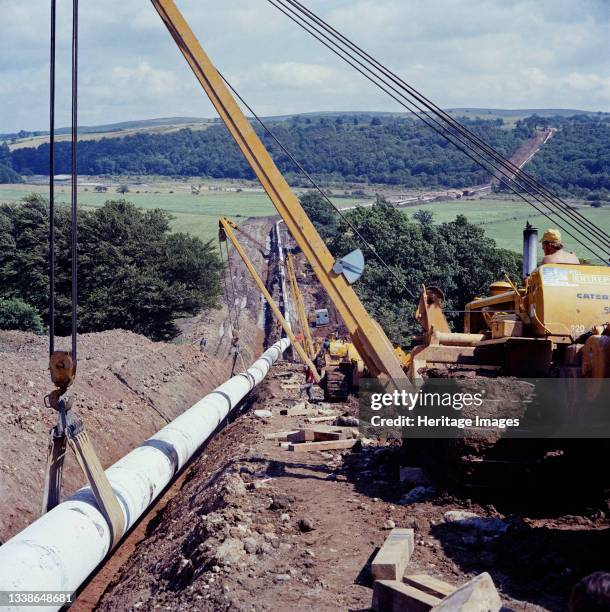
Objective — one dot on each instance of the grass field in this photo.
(503, 220)
(197, 215)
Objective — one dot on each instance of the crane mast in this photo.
(368, 337)
(299, 305)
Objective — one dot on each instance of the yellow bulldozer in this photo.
(341, 367)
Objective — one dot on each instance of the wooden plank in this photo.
(322, 435)
(280, 435)
(316, 435)
(306, 447)
(392, 559)
(394, 596)
(429, 584)
(322, 419)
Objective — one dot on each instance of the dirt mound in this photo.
(126, 389)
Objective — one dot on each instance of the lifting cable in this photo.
(52, 180)
(455, 124)
(518, 180)
(69, 430)
(317, 187)
(419, 111)
(74, 179)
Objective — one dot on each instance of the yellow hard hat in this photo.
(551, 235)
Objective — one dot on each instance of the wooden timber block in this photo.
(321, 435)
(302, 435)
(316, 435)
(477, 594)
(395, 596)
(392, 559)
(306, 447)
(280, 435)
(321, 419)
(429, 584)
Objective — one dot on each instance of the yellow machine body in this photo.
(566, 301)
(559, 301)
(341, 351)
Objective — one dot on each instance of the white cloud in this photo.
(501, 53)
(144, 80)
(297, 75)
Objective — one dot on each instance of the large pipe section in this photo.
(282, 266)
(58, 551)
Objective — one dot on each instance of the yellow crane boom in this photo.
(368, 337)
(226, 227)
(300, 306)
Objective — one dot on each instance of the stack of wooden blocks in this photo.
(395, 591)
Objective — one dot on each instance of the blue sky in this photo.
(481, 53)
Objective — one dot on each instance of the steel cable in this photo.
(531, 181)
(52, 178)
(74, 181)
(475, 156)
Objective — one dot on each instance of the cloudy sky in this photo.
(475, 53)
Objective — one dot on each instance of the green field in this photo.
(503, 220)
(197, 215)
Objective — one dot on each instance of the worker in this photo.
(202, 344)
(308, 386)
(553, 249)
(591, 594)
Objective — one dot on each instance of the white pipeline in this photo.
(59, 550)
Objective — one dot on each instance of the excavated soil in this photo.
(254, 526)
(126, 389)
(250, 525)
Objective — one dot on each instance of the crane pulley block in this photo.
(63, 371)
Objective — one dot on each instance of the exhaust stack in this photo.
(530, 249)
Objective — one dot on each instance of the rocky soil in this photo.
(126, 389)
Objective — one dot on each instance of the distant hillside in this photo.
(359, 147)
(141, 124)
(24, 137)
(353, 148)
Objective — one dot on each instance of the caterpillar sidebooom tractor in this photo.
(557, 324)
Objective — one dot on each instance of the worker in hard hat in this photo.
(554, 251)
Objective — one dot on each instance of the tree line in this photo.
(7, 173)
(133, 273)
(390, 150)
(455, 256)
